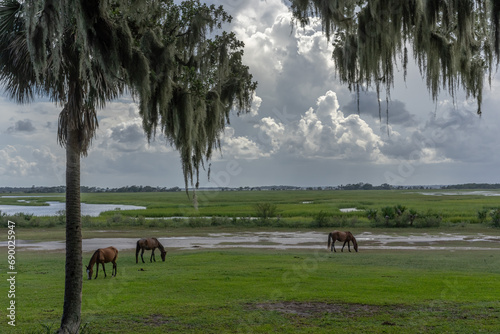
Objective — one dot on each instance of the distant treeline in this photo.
(473, 186)
(138, 189)
(85, 189)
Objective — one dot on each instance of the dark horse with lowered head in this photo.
(149, 244)
(102, 256)
(346, 237)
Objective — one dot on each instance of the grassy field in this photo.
(295, 208)
(297, 204)
(263, 291)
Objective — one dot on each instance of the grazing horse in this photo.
(102, 256)
(346, 237)
(149, 244)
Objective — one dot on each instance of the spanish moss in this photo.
(455, 43)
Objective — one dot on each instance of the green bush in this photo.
(322, 219)
(495, 217)
(482, 215)
(429, 220)
(265, 210)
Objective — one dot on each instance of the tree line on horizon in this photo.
(135, 189)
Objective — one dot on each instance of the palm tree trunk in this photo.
(71, 318)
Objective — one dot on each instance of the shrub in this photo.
(265, 210)
(322, 219)
(429, 220)
(388, 214)
(371, 214)
(399, 209)
(495, 217)
(412, 215)
(482, 215)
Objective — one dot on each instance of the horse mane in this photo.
(94, 257)
(160, 246)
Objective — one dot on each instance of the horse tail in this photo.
(329, 240)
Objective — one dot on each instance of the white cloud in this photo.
(31, 162)
(321, 132)
(238, 147)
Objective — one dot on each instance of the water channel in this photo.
(54, 208)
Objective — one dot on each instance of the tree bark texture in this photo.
(71, 318)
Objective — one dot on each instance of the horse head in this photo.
(163, 254)
(89, 272)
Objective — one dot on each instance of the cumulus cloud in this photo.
(239, 147)
(22, 126)
(127, 136)
(368, 106)
(321, 132)
(13, 164)
(30, 162)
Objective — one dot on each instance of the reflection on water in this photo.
(54, 208)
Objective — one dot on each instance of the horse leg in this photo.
(142, 257)
(96, 270)
(333, 246)
(104, 269)
(152, 256)
(113, 270)
(349, 245)
(343, 246)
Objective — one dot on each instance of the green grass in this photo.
(295, 208)
(262, 291)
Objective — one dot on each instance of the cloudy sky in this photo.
(304, 128)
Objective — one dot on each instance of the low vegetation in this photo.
(293, 209)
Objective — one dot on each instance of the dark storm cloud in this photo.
(126, 137)
(22, 126)
(395, 114)
(127, 133)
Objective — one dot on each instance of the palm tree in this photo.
(85, 53)
(80, 73)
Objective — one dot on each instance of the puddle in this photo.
(288, 240)
(349, 210)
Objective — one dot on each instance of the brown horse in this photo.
(149, 244)
(346, 237)
(102, 256)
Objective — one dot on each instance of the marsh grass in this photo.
(261, 291)
(292, 208)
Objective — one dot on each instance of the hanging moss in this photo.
(186, 84)
(454, 42)
(194, 81)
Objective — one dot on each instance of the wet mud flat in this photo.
(289, 240)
